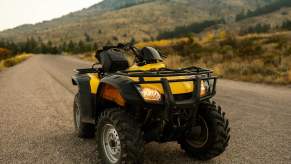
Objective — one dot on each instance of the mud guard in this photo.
(125, 86)
(83, 82)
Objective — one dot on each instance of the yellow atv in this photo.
(126, 106)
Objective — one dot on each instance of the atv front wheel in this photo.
(83, 130)
(119, 139)
(214, 134)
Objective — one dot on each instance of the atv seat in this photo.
(113, 60)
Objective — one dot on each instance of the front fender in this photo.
(125, 86)
(85, 98)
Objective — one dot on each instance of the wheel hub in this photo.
(199, 134)
(111, 143)
(78, 116)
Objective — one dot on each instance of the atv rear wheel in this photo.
(119, 139)
(214, 134)
(83, 130)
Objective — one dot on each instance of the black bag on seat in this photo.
(113, 60)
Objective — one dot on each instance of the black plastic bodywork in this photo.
(85, 98)
(125, 86)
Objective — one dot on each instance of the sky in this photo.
(17, 12)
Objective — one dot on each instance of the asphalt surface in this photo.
(36, 123)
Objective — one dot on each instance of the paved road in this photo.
(36, 124)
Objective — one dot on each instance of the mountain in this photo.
(125, 20)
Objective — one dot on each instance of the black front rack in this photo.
(195, 75)
(171, 105)
(166, 72)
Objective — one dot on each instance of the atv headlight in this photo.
(150, 95)
(204, 88)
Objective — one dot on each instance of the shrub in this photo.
(5, 53)
(192, 28)
(218, 70)
(15, 60)
(286, 25)
(174, 61)
(248, 48)
(259, 28)
(230, 41)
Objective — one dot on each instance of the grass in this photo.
(9, 62)
(87, 56)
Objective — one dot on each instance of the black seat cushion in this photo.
(113, 60)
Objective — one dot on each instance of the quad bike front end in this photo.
(171, 99)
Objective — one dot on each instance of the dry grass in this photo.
(9, 62)
(289, 76)
(262, 58)
(174, 61)
(87, 57)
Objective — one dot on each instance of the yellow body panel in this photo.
(176, 87)
(94, 82)
(147, 67)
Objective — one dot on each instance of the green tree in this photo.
(81, 47)
(132, 41)
(64, 47)
(71, 47)
(286, 25)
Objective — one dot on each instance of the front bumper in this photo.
(170, 103)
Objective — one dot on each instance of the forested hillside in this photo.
(125, 20)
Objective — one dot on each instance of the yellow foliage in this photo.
(222, 35)
(208, 37)
(258, 63)
(3, 50)
(5, 53)
(161, 43)
(218, 70)
(1, 66)
(13, 60)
